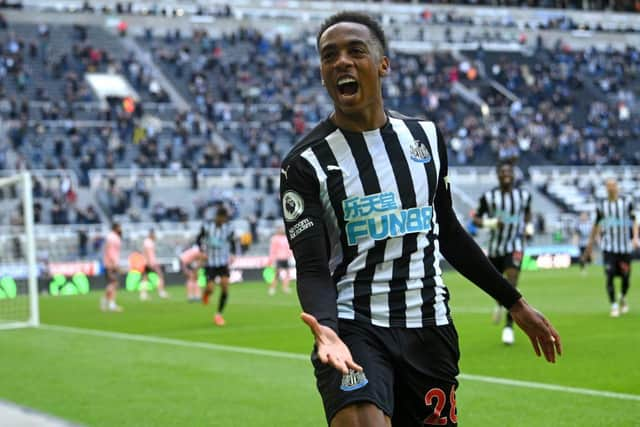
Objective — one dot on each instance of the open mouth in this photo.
(347, 86)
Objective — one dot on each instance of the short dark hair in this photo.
(505, 162)
(359, 18)
(222, 211)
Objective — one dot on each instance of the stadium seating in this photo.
(576, 189)
(250, 94)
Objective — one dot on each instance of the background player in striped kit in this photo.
(618, 228)
(367, 211)
(581, 233)
(505, 210)
(220, 244)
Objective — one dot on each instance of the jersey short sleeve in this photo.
(300, 200)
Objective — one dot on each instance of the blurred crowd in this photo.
(251, 97)
(574, 107)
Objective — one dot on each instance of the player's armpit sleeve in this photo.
(234, 246)
(483, 207)
(461, 251)
(201, 236)
(302, 213)
(599, 215)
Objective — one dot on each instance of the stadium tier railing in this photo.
(227, 178)
(297, 16)
(60, 242)
(540, 174)
(578, 187)
(505, 16)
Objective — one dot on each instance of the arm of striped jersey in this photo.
(459, 248)
(595, 230)
(302, 213)
(483, 209)
(233, 243)
(527, 209)
(634, 226)
(529, 229)
(201, 236)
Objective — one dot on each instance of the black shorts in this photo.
(617, 264)
(282, 263)
(504, 262)
(411, 373)
(213, 272)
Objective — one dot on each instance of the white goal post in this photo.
(18, 265)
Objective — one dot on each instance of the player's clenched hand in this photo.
(543, 336)
(331, 349)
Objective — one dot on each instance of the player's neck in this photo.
(360, 121)
(506, 188)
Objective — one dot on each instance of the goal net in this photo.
(18, 268)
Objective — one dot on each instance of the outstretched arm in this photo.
(302, 211)
(595, 230)
(462, 252)
(480, 219)
(635, 237)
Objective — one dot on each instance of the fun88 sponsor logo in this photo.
(378, 216)
(613, 222)
(506, 218)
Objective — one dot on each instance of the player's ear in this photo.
(385, 68)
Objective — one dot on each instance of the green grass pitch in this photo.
(100, 380)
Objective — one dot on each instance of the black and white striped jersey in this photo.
(615, 219)
(370, 196)
(219, 242)
(583, 230)
(510, 208)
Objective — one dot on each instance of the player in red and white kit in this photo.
(152, 265)
(279, 256)
(190, 261)
(111, 260)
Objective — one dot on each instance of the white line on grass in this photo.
(553, 387)
(178, 343)
(298, 356)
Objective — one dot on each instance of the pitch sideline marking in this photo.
(298, 356)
